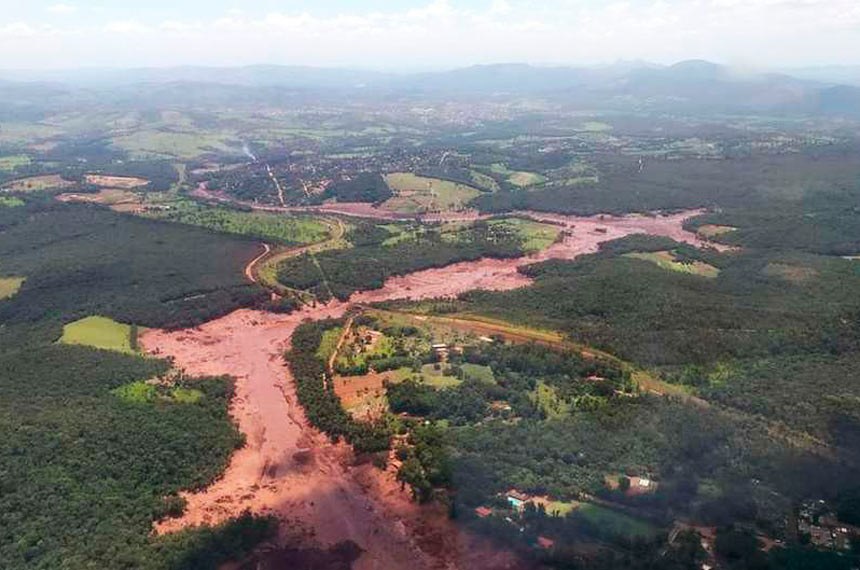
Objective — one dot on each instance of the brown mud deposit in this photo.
(289, 469)
(320, 496)
(580, 235)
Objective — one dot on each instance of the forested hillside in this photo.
(88, 460)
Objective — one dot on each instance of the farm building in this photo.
(483, 512)
(517, 499)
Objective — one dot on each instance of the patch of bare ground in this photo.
(118, 199)
(121, 182)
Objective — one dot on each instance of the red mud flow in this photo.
(287, 468)
(581, 235)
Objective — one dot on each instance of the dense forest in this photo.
(759, 182)
(77, 262)
(87, 469)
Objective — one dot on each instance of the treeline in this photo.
(756, 183)
(85, 470)
(317, 396)
(756, 307)
(161, 175)
(340, 273)
(362, 187)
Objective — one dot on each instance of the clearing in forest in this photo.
(417, 194)
(519, 178)
(272, 227)
(100, 332)
(113, 197)
(710, 231)
(35, 183)
(10, 202)
(9, 286)
(667, 260)
(124, 182)
(536, 236)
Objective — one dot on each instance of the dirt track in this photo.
(317, 494)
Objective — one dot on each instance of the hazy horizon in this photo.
(421, 35)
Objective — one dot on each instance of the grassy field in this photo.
(616, 523)
(535, 235)
(10, 202)
(523, 179)
(713, 230)
(172, 144)
(280, 228)
(415, 193)
(479, 373)
(666, 260)
(36, 183)
(437, 378)
(595, 127)
(329, 342)
(519, 178)
(484, 181)
(546, 398)
(11, 162)
(9, 286)
(141, 392)
(99, 332)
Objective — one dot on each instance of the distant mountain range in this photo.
(693, 86)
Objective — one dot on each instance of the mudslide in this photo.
(289, 469)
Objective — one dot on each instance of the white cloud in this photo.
(442, 32)
(62, 8)
(127, 27)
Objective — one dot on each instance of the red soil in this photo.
(318, 494)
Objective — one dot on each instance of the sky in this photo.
(425, 34)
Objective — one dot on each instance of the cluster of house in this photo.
(517, 500)
(442, 350)
(816, 520)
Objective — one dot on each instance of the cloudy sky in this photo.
(411, 34)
